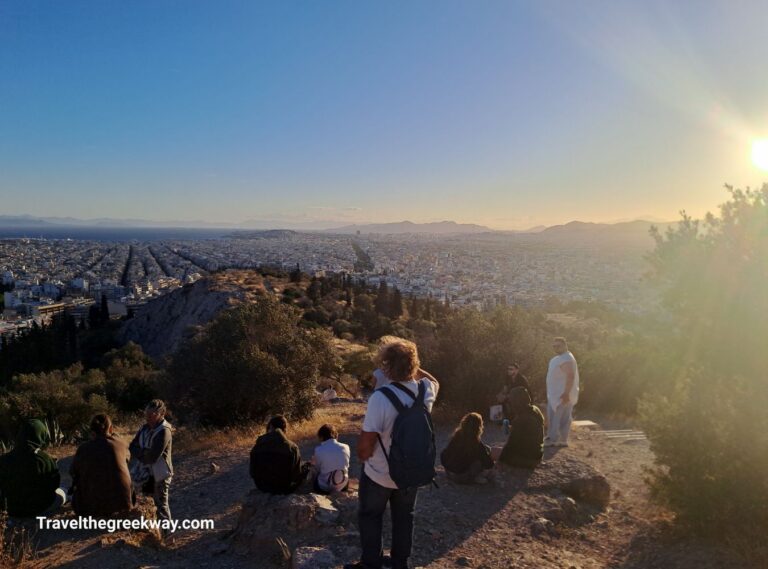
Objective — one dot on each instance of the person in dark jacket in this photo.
(514, 379)
(275, 463)
(101, 483)
(152, 453)
(525, 445)
(29, 477)
(466, 457)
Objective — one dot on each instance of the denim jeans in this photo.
(160, 497)
(559, 422)
(373, 503)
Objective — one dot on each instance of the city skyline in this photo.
(507, 116)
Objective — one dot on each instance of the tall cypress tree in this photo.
(104, 311)
(382, 299)
(396, 304)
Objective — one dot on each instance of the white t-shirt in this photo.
(380, 418)
(330, 456)
(556, 379)
(381, 378)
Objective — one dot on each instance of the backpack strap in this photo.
(407, 391)
(396, 403)
(394, 399)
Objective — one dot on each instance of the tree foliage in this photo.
(68, 397)
(250, 362)
(710, 435)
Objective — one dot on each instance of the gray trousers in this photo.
(559, 422)
(160, 497)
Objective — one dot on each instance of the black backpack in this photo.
(412, 454)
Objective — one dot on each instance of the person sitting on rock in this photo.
(467, 459)
(29, 477)
(525, 444)
(101, 482)
(331, 462)
(275, 464)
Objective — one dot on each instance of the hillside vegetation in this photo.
(241, 345)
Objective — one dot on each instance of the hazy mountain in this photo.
(630, 234)
(33, 221)
(21, 221)
(403, 227)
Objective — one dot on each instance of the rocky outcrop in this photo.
(572, 477)
(296, 520)
(166, 321)
(313, 558)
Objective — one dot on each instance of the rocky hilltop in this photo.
(162, 325)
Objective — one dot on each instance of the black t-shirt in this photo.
(519, 381)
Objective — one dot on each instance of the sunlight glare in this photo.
(760, 153)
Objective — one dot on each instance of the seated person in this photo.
(466, 457)
(29, 477)
(525, 445)
(514, 379)
(331, 462)
(101, 483)
(275, 464)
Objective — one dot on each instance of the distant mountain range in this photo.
(578, 230)
(404, 227)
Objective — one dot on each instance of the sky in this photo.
(508, 114)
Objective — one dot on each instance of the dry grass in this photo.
(345, 416)
(751, 547)
(16, 547)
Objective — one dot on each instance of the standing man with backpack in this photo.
(397, 449)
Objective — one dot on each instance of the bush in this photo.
(68, 397)
(131, 378)
(471, 351)
(710, 436)
(250, 362)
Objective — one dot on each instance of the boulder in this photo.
(593, 490)
(296, 519)
(540, 527)
(313, 558)
(572, 477)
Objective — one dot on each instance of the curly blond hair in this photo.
(400, 360)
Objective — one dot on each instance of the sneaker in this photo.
(563, 444)
(548, 444)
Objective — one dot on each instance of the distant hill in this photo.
(161, 325)
(629, 233)
(263, 234)
(21, 221)
(404, 227)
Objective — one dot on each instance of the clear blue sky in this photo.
(501, 113)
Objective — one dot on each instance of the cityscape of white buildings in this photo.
(41, 277)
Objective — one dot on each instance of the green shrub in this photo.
(710, 435)
(250, 362)
(131, 378)
(68, 397)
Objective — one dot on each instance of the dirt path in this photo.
(484, 527)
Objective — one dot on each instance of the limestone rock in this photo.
(313, 558)
(540, 526)
(572, 477)
(296, 519)
(166, 321)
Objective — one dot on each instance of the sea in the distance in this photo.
(111, 233)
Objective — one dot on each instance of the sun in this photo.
(760, 153)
